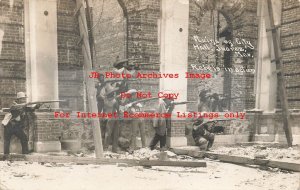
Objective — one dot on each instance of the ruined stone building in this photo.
(40, 53)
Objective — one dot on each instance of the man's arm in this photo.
(33, 107)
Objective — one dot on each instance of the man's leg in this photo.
(115, 136)
(100, 104)
(142, 132)
(7, 136)
(103, 123)
(23, 138)
(109, 132)
(134, 125)
(211, 139)
(154, 141)
(163, 141)
(201, 142)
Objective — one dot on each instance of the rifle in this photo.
(137, 66)
(119, 80)
(20, 106)
(156, 63)
(184, 102)
(46, 101)
(217, 120)
(231, 98)
(140, 101)
(8, 116)
(222, 120)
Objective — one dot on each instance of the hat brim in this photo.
(120, 63)
(21, 97)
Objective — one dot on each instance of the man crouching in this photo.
(202, 136)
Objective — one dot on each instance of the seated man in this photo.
(202, 136)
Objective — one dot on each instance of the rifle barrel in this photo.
(46, 101)
(185, 102)
(142, 100)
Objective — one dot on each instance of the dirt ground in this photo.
(217, 176)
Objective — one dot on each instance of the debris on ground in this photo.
(262, 152)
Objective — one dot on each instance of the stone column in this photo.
(266, 77)
(43, 49)
(174, 56)
(42, 63)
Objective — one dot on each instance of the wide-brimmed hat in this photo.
(21, 95)
(120, 63)
(110, 91)
(198, 119)
(168, 92)
(131, 91)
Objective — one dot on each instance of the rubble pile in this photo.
(262, 152)
(146, 153)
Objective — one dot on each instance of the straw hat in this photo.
(21, 95)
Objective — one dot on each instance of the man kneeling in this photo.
(202, 136)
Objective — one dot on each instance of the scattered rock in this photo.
(122, 165)
(81, 154)
(19, 175)
(260, 155)
(170, 154)
(129, 157)
(163, 156)
(48, 165)
(140, 168)
(261, 147)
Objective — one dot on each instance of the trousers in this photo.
(207, 141)
(16, 130)
(112, 134)
(158, 138)
(137, 124)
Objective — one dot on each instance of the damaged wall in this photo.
(290, 45)
(13, 64)
(237, 21)
(12, 56)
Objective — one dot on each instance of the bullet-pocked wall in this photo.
(135, 37)
(12, 51)
(215, 26)
(290, 45)
(70, 59)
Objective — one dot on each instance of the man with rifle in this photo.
(204, 100)
(161, 124)
(99, 86)
(111, 132)
(14, 121)
(166, 105)
(202, 134)
(132, 107)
